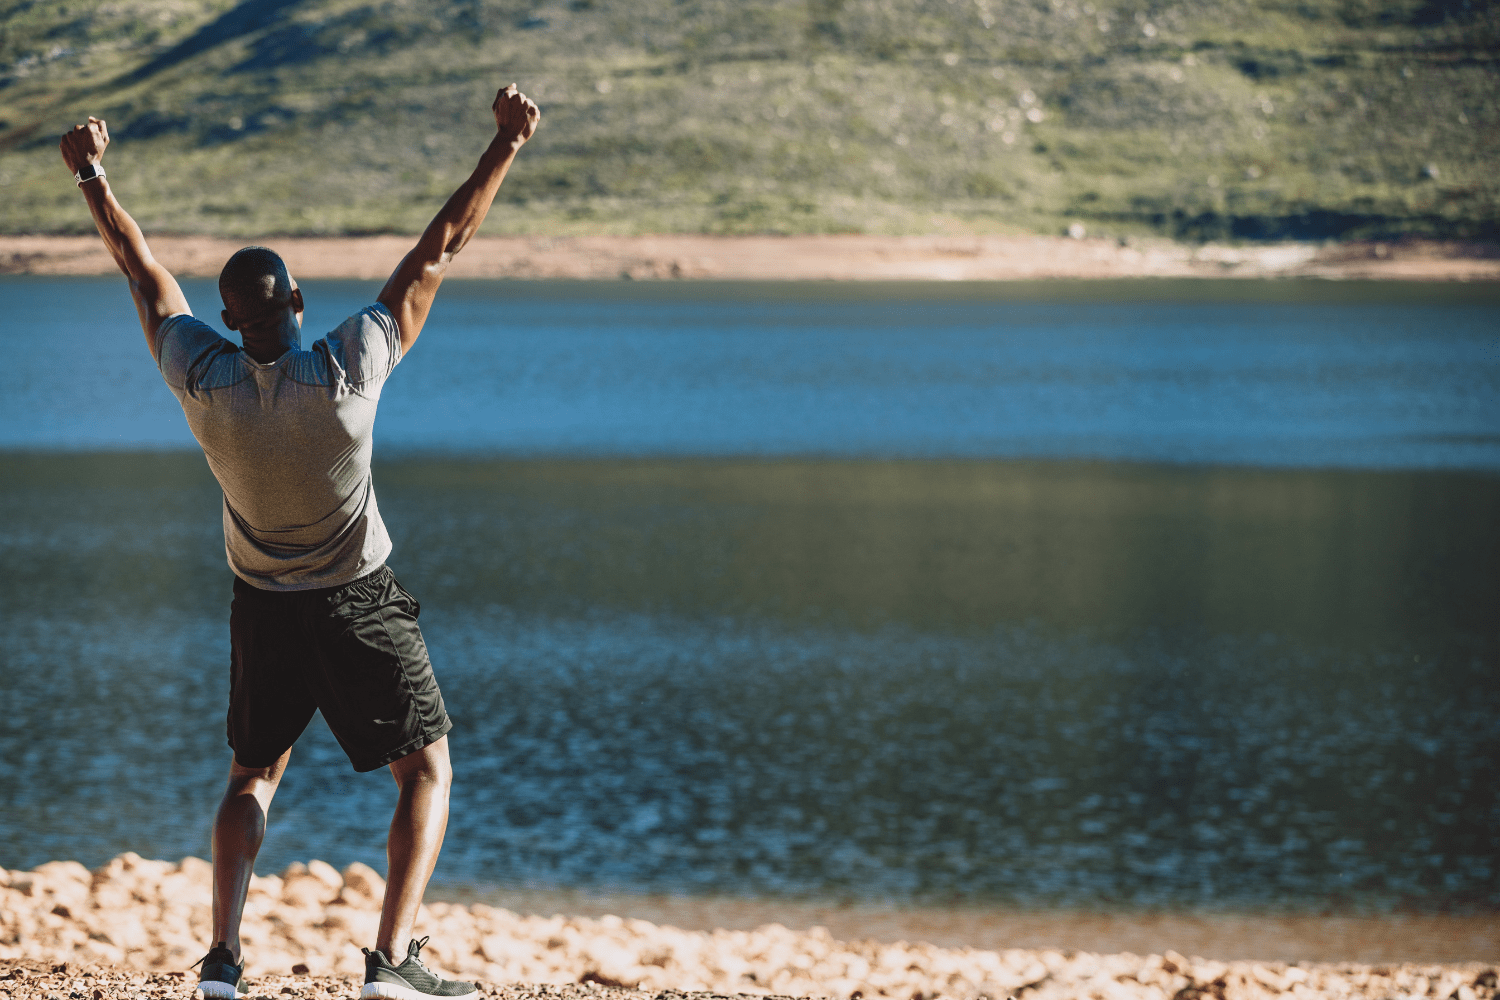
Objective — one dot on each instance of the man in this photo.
(318, 621)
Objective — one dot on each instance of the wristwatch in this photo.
(88, 172)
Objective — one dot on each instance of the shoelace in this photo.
(222, 944)
(420, 943)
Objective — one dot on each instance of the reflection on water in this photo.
(942, 682)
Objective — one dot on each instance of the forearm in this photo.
(460, 218)
(414, 284)
(123, 238)
(156, 293)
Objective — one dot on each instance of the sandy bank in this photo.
(793, 258)
(124, 929)
(1431, 939)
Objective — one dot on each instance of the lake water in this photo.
(1111, 596)
(1317, 375)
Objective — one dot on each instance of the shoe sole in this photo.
(389, 991)
(220, 991)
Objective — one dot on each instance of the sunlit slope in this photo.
(1214, 119)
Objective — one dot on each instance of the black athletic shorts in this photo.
(355, 652)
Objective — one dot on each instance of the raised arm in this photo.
(410, 291)
(156, 293)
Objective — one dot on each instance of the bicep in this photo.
(410, 292)
(157, 296)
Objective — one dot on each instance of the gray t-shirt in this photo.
(290, 444)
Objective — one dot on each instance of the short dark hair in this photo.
(255, 285)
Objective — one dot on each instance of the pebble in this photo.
(132, 929)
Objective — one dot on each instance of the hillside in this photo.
(1212, 119)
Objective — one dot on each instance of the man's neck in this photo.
(267, 344)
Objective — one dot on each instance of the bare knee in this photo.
(259, 782)
(427, 766)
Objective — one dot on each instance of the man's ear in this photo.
(228, 319)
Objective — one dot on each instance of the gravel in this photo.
(133, 928)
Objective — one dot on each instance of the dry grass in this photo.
(1213, 119)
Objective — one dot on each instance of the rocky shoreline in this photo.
(133, 927)
(797, 258)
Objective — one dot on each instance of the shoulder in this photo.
(185, 344)
(367, 345)
(184, 327)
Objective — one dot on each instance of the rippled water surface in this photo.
(937, 682)
(1138, 595)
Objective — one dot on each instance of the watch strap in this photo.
(88, 172)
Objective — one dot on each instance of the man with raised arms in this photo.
(318, 621)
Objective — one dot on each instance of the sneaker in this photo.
(411, 980)
(220, 976)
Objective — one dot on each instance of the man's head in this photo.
(258, 292)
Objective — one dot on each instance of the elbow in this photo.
(451, 248)
(458, 237)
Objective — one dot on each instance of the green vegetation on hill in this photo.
(1201, 119)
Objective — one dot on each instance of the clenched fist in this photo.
(85, 144)
(516, 116)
